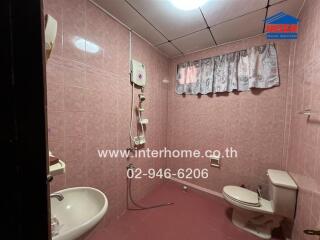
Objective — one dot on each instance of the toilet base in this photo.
(256, 223)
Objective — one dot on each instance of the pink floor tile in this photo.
(193, 216)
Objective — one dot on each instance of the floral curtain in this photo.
(255, 67)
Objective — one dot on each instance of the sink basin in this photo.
(80, 210)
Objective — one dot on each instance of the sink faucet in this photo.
(55, 225)
(58, 196)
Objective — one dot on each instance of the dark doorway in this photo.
(23, 122)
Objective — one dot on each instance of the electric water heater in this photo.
(138, 73)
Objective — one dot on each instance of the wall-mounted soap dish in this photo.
(215, 161)
(58, 168)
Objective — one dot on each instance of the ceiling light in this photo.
(187, 5)
(85, 45)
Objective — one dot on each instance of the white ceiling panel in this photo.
(291, 7)
(229, 20)
(121, 10)
(218, 11)
(239, 28)
(172, 22)
(195, 41)
(169, 49)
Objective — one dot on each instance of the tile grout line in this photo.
(265, 18)
(127, 27)
(205, 20)
(169, 41)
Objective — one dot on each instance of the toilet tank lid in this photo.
(282, 179)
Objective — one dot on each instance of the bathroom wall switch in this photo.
(215, 161)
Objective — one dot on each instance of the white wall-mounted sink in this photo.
(80, 210)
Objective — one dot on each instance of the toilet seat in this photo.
(246, 199)
(241, 195)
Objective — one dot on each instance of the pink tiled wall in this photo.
(89, 97)
(89, 108)
(253, 123)
(303, 160)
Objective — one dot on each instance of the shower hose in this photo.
(136, 205)
(129, 180)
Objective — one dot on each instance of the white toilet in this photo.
(259, 216)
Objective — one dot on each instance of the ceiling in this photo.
(176, 32)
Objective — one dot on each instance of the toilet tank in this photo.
(283, 193)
